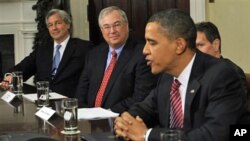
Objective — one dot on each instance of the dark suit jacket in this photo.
(39, 63)
(1, 62)
(239, 71)
(214, 100)
(130, 82)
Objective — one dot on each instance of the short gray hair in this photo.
(64, 15)
(110, 9)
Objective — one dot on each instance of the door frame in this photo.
(198, 10)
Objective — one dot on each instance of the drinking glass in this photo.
(69, 106)
(42, 93)
(58, 107)
(172, 135)
(17, 82)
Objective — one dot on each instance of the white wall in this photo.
(197, 10)
(233, 21)
(20, 22)
(18, 18)
(79, 18)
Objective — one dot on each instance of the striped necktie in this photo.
(105, 80)
(56, 60)
(176, 114)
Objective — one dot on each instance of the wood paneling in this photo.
(138, 12)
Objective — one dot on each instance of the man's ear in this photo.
(181, 45)
(216, 45)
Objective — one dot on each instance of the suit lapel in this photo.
(193, 86)
(99, 68)
(164, 98)
(48, 61)
(100, 65)
(192, 89)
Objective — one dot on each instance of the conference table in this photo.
(19, 122)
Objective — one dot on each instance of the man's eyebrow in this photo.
(149, 39)
(112, 23)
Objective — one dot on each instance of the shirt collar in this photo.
(63, 44)
(117, 50)
(185, 74)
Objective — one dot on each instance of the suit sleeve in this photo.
(219, 102)
(27, 66)
(222, 103)
(147, 109)
(144, 82)
(83, 85)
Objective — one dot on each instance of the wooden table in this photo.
(22, 119)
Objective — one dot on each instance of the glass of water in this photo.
(42, 88)
(17, 82)
(69, 106)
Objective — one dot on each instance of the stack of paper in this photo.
(95, 113)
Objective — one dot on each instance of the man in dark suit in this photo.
(64, 77)
(209, 41)
(130, 80)
(208, 98)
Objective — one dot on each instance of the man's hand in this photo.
(128, 127)
(5, 83)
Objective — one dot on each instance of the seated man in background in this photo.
(60, 62)
(116, 74)
(197, 93)
(209, 41)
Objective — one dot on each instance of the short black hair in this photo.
(176, 23)
(210, 30)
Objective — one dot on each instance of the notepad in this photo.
(95, 113)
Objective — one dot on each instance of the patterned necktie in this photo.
(56, 60)
(176, 114)
(105, 79)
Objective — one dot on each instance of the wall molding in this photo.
(198, 10)
(21, 23)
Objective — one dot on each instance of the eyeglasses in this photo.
(116, 26)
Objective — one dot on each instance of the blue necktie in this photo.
(56, 60)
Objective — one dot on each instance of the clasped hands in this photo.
(5, 83)
(130, 128)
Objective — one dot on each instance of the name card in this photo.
(8, 96)
(67, 116)
(45, 113)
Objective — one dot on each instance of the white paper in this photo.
(45, 113)
(8, 96)
(33, 97)
(67, 116)
(95, 113)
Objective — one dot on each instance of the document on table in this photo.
(52, 95)
(95, 113)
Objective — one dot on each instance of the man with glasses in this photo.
(116, 74)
